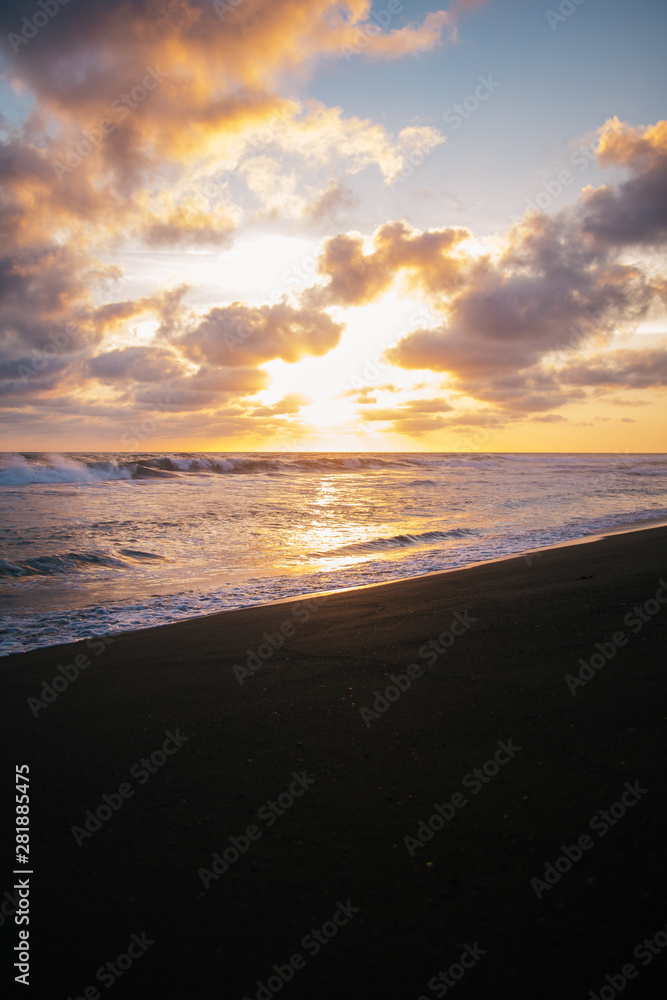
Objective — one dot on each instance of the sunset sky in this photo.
(299, 224)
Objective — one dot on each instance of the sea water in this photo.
(98, 543)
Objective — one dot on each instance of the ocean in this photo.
(101, 543)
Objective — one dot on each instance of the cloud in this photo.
(133, 100)
(100, 62)
(48, 301)
(620, 369)
(548, 293)
(323, 136)
(413, 417)
(278, 190)
(135, 97)
(200, 363)
(240, 335)
(289, 404)
(296, 167)
(558, 285)
(636, 212)
(134, 104)
(427, 405)
(331, 204)
(184, 223)
(430, 260)
(138, 364)
(365, 36)
(182, 92)
(367, 394)
(205, 389)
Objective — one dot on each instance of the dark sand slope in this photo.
(343, 838)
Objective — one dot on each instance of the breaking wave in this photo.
(39, 468)
(27, 469)
(23, 470)
(74, 562)
(398, 542)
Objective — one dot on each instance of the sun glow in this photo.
(328, 412)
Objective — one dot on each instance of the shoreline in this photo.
(627, 528)
(155, 770)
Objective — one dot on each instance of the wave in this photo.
(397, 542)
(24, 470)
(74, 562)
(280, 463)
(27, 469)
(31, 469)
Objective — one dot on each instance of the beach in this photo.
(103, 543)
(385, 792)
(333, 500)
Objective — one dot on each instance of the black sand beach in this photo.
(332, 856)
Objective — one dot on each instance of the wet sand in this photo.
(206, 730)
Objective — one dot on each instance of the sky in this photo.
(305, 225)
